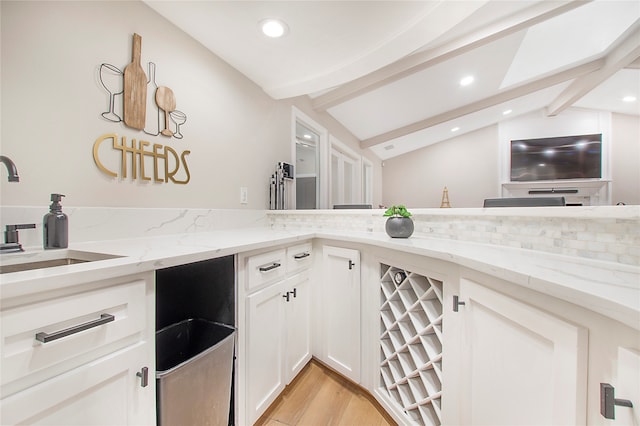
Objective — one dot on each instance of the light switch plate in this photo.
(244, 195)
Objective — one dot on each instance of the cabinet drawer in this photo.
(299, 257)
(30, 343)
(265, 268)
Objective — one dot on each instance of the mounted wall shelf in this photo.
(411, 343)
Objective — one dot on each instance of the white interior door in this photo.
(345, 175)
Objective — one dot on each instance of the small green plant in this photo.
(397, 211)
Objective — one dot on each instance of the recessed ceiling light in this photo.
(507, 112)
(629, 99)
(273, 28)
(455, 129)
(467, 80)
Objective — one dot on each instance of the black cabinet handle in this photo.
(274, 265)
(144, 376)
(301, 255)
(608, 401)
(45, 337)
(457, 303)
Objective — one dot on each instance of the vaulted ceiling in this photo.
(390, 71)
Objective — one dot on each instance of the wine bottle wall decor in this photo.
(137, 101)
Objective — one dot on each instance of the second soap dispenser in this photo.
(55, 225)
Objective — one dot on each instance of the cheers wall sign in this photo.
(138, 101)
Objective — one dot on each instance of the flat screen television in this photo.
(565, 157)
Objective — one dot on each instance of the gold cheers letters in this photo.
(166, 161)
(135, 97)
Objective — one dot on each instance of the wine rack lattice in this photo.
(411, 343)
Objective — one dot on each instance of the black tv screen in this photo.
(565, 157)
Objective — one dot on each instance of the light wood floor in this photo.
(321, 397)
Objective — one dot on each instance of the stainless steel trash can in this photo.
(194, 365)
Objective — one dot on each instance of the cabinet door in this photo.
(103, 392)
(297, 324)
(341, 310)
(264, 350)
(519, 365)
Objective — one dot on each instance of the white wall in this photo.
(52, 100)
(474, 165)
(466, 165)
(625, 159)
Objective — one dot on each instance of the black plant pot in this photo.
(399, 227)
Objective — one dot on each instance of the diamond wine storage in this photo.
(411, 343)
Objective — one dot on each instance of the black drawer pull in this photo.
(144, 376)
(45, 337)
(274, 265)
(301, 255)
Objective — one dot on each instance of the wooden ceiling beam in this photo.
(623, 52)
(411, 64)
(507, 95)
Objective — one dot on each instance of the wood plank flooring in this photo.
(321, 397)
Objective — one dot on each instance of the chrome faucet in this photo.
(11, 168)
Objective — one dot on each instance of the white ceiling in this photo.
(389, 71)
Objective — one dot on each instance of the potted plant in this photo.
(399, 224)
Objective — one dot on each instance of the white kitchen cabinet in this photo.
(516, 364)
(93, 373)
(103, 392)
(278, 340)
(340, 338)
(297, 319)
(265, 349)
(274, 338)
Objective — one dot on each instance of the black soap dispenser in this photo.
(55, 225)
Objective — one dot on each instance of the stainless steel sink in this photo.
(48, 259)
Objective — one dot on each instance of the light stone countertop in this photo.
(608, 288)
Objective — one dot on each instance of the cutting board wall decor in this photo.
(135, 88)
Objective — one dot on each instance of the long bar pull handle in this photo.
(608, 401)
(274, 265)
(46, 337)
(144, 376)
(301, 255)
(457, 303)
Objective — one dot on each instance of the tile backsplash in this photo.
(610, 233)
